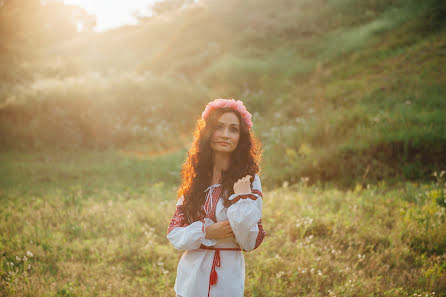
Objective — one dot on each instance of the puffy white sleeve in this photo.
(244, 214)
(185, 236)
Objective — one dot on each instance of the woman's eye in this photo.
(234, 130)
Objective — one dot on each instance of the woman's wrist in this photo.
(243, 192)
(208, 232)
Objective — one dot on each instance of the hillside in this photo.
(350, 91)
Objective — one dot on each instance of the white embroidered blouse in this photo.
(194, 269)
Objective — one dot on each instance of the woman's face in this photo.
(227, 133)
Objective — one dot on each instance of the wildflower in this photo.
(304, 179)
(29, 254)
(17, 258)
(279, 274)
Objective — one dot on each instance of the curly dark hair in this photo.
(197, 169)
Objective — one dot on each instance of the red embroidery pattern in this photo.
(261, 234)
(216, 193)
(178, 219)
(244, 196)
(254, 191)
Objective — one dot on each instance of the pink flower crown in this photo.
(236, 105)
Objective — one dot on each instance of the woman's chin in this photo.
(222, 149)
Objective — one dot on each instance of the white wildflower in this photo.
(280, 274)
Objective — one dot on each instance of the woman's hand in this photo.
(243, 185)
(219, 230)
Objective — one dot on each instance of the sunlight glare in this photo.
(112, 14)
(79, 27)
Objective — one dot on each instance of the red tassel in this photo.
(214, 278)
(216, 263)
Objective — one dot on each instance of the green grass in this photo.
(104, 234)
(117, 170)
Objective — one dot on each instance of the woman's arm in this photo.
(185, 236)
(245, 213)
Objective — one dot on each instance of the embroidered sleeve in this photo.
(178, 219)
(245, 214)
(184, 236)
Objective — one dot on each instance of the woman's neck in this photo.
(221, 163)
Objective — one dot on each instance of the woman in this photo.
(219, 210)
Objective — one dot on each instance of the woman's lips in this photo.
(223, 143)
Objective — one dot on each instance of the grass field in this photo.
(94, 224)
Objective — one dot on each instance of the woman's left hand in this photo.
(243, 185)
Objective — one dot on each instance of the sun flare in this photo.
(111, 13)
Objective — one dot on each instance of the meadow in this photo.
(94, 224)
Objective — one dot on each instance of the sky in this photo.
(114, 13)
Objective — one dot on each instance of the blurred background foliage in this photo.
(340, 90)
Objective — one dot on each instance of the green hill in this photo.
(343, 90)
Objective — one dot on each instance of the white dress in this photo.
(193, 272)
